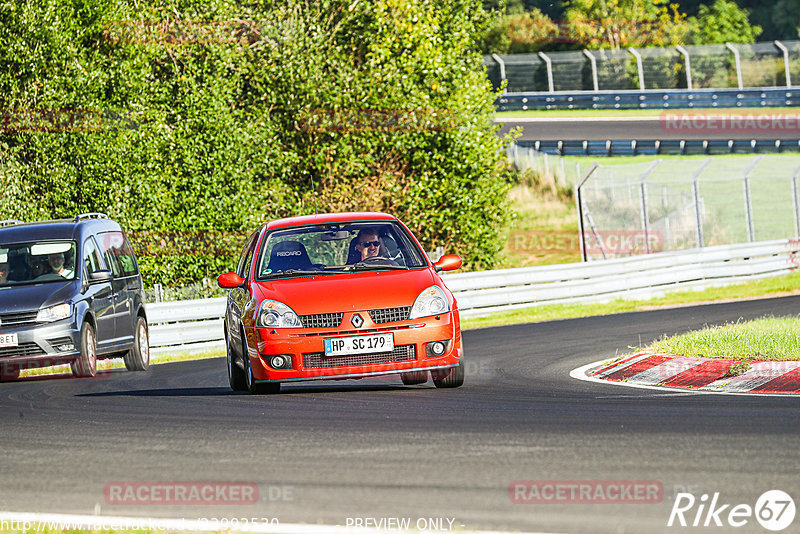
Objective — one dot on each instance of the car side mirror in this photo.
(230, 281)
(101, 275)
(448, 262)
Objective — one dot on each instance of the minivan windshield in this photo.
(336, 248)
(36, 262)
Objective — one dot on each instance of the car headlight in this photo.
(54, 313)
(431, 301)
(274, 314)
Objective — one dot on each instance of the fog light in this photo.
(65, 347)
(280, 361)
(437, 348)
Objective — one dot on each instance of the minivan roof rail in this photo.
(11, 222)
(92, 215)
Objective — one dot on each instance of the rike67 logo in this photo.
(774, 510)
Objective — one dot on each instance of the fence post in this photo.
(639, 66)
(785, 52)
(549, 64)
(502, 70)
(748, 204)
(696, 192)
(579, 202)
(688, 64)
(643, 198)
(593, 61)
(737, 62)
(796, 202)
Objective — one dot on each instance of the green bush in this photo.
(193, 122)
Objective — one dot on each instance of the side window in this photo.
(91, 257)
(247, 256)
(118, 253)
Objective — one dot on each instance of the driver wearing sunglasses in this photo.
(368, 244)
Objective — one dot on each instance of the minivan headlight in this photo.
(274, 314)
(54, 313)
(431, 301)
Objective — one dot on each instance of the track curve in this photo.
(325, 452)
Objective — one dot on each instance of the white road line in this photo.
(58, 522)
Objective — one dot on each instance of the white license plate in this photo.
(338, 346)
(8, 340)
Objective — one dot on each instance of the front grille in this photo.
(24, 349)
(388, 315)
(19, 318)
(321, 320)
(318, 360)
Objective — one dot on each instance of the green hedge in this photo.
(192, 122)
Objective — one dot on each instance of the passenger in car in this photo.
(4, 268)
(56, 262)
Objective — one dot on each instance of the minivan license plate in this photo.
(338, 346)
(8, 340)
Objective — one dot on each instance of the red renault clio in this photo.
(344, 295)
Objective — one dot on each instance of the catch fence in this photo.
(659, 206)
(718, 66)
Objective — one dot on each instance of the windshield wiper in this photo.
(362, 266)
(294, 271)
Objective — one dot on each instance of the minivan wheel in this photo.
(85, 365)
(138, 357)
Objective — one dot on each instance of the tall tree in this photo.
(625, 23)
(723, 22)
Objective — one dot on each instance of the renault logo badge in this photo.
(356, 320)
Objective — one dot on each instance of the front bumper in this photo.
(306, 348)
(41, 345)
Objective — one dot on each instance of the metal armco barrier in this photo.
(650, 99)
(650, 147)
(197, 324)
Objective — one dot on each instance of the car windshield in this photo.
(36, 262)
(336, 248)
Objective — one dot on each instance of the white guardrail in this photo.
(197, 324)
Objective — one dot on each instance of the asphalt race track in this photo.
(625, 128)
(335, 451)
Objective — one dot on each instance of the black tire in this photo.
(415, 377)
(449, 378)
(138, 357)
(9, 372)
(85, 365)
(253, 387)
(236, 377)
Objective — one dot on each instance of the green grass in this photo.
(769, 338)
